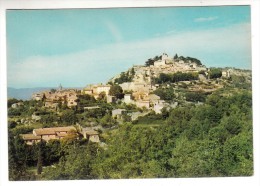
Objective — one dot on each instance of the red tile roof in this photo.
(52, 131)
(30, 137)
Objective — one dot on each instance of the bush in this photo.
(195, 96)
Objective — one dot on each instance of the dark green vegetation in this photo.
(176, 58)
(176, 77)
(204, 130)
(152, 60)
(215, 73)
(125, 77)
(213, 139)
(187, 59)
(165, 93)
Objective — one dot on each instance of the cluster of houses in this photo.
(141, 86)
(53, 98)
(96, 90)
(58, 133)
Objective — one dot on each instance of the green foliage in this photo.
(49, 119)
(53, 90)
(165, 93)
(75, 164)
(215, 73)
(12, 101)
(107, 121)
(195, 96)
(240, 82)
(40, 154)
(25, 110)
(21, 130)
(14, 112)
(102, 96)
(69, 117)
(86, 100)
(125, 77)
(116, 91)
(176, 77)
(194, 60)
(187, 59)
(213, 139)
(151, 61)
(151, 118)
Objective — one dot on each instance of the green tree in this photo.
(149, 62)
(215, 73)
(107, 121)
(195, 96)
(165, 93)
(40, 161)
(69, 117)
(102, 96)
(117, 91)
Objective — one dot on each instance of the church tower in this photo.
(60, 87)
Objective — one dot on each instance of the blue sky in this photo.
(76, 47)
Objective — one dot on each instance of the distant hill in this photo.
(23, 93)
(26, 93)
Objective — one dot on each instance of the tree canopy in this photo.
(116, 91)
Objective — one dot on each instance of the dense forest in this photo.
(192, 140)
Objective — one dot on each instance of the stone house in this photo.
(91, 135)
(103, 88)
(117, 113)
(111, 99)
(143, 103)
(51, 104)
(159, 63)
(17, 105)
(153, 98)
(128, 98)
(158, 106)
(96, 90)
(72, 100)
(53, 133)
(88, 91)
(226, 73)
(37, 96)
(30, 139)
(47, 134)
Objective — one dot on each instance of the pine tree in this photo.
(39, 162)
(175, 57)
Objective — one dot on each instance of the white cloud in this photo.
(215, 47)
(205, 19)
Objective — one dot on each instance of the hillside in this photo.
(172, 117)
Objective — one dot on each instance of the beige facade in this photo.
(57, 133)
(128, 98)
(143, 103)
(103, 88)
(59, 96)
(52, 133)
(96, 90)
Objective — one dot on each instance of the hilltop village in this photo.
(160, 85)
(171, 117)
(139, 84)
